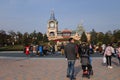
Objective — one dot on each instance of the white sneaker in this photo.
(110, 67)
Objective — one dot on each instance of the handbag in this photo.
(104, 59)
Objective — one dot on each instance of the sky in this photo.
(30, 15)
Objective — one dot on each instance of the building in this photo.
(54, 34)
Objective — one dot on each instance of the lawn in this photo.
(12, 48)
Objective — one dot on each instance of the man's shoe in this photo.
(73, 77)
(68, 76)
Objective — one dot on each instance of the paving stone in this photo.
(53, 69)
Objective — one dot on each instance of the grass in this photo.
(12, 48)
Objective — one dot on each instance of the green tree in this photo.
(93, 37)
(45, 38)
(33, 36)
(84, 37)
(40, 36)
(107, 38)
(19, 37)
(13, 37)
(116, 35)
(3, 38)
(26, 39)
(37, 37)
(100, 37)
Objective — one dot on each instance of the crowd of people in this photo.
(71, 51)
(82, 51)
(38, 50)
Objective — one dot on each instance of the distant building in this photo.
(54, 34)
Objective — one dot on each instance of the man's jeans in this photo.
(70, 69)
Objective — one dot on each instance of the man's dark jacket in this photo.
(70, 51)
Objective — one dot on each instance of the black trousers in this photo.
(108, 58)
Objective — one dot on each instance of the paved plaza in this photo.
(53, 69)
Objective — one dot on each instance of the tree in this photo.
(3, 38)
(26, 39)
(84, 37)
(13, 37)
(100, 37)
(45, 38)
(37, 37)
(116, 35)
(107, 39)
(19, 37)
(93, 37)
(33, 35)
(40, 36)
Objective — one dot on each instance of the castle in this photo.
(54, 34)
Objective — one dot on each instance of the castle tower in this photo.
(80, 29)
(52, 27)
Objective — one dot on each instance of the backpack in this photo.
(84, 51)
(85, 58)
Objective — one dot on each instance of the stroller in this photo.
(86, 66)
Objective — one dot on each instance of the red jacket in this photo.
(27, 51)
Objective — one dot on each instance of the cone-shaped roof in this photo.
(52, 16)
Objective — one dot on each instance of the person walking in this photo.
(71, 56)
(108, 55)
(85, 60)
(27, 50)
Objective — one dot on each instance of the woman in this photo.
(108, 55)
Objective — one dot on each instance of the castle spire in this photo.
(52, 17)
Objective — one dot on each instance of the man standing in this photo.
(71, 55)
